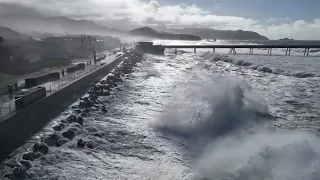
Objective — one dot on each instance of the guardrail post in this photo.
(195, 50)
(214, 50)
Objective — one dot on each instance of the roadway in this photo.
(7, 105)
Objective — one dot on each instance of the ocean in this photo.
(200, 116)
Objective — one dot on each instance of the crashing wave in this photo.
(216, 109)
(225, 58)
(262, 157)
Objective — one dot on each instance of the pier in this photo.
(249, 47)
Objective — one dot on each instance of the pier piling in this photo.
(251, 51)
(233, 51)
(306, 51)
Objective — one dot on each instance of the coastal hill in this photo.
(10, 34)
(38, 26)
(149, 32)
(207, 33)
(58, 25)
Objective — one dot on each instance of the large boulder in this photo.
(41, 147)
(266, 69)
(44, 149)
(26, 164)
(85, 103)
(80, 120)
(72, 118)
(61, 142)
(52, 139)
(70, 133)
(81, 143)
(30, 156)
(59, 127)
(90, 145)
(19, 173)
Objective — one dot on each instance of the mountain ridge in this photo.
(208, 33)
(64, 25)
(53, 24)
(149, 32)
(7, 33)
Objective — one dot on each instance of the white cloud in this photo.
(133, 13)
(298, 30)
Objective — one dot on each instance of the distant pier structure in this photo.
(250, 47)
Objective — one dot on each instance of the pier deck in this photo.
(233, 47)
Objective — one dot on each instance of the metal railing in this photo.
(3, 85)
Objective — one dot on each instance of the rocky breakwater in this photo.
(74, 131)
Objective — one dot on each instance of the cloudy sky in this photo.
(299, 19)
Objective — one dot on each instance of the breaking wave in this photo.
(277, 155)
(260, 68)
(226, 127)
(213, 109)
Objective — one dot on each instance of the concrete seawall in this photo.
(20, 127)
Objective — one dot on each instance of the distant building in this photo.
(5, 56)
(75, 46)
(33, 57)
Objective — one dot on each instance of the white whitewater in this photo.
(200, 116)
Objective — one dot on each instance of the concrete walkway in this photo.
(7, 104)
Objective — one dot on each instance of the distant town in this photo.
(32, 54)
